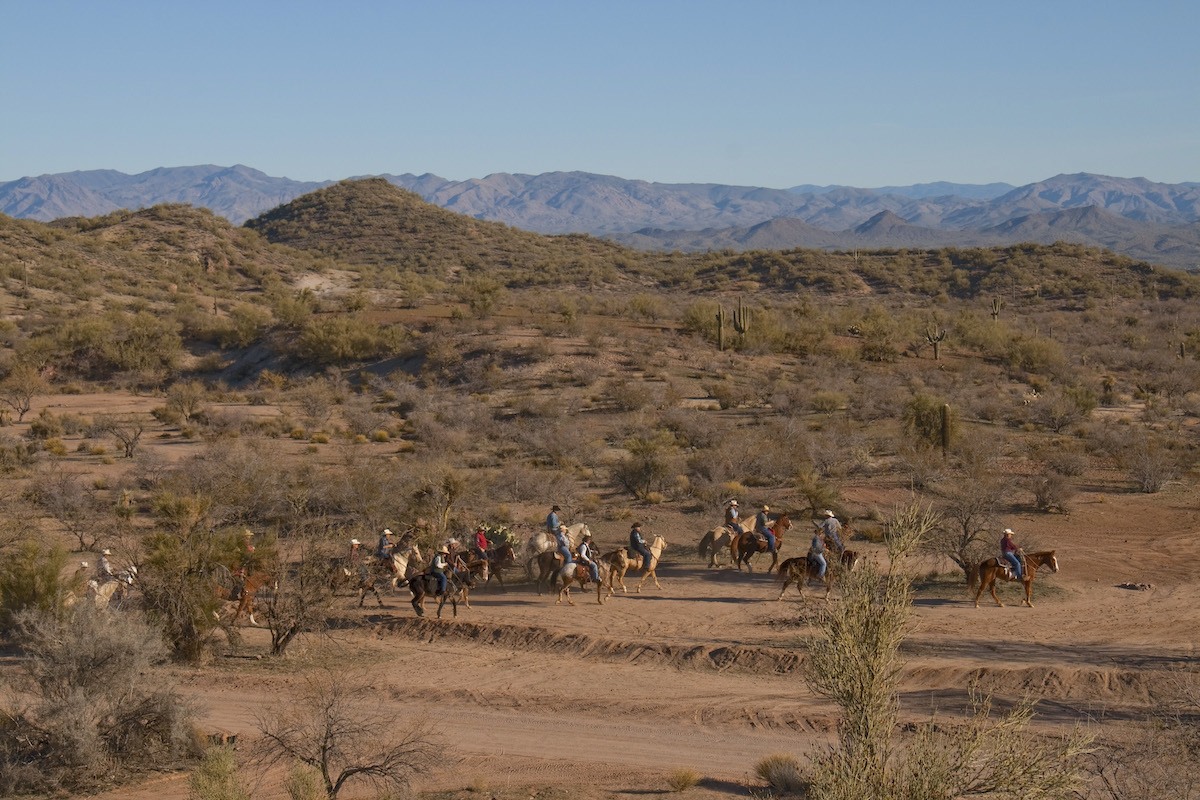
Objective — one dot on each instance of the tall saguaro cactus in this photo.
(934, 337)
(997, 304)
(741, 318)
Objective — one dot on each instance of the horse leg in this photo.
(1028, 592)
(378, 598)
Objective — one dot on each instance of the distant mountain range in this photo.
(1154, 222)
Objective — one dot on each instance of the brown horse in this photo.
(743, 548)
(620, 561)
(251, 586)
(458, 585)
(993, 569)
(800, 570)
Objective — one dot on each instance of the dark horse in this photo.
(799, 570)
(499, 558)
(993, 569)
(425, 584)
(743, 547)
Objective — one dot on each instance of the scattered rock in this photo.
(1137, 587)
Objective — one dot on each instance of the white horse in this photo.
(542, 541)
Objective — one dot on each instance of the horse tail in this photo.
(706, 544)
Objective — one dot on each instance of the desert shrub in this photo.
(98, 708)
(923, 420)
(649, 466)
(629, 395)
(246, 323)
(16, 454)
(31, 578)
(216, 777)
(880, 336)
(46, 425)
(347, 338)
(730, 394)
(1150, 463)
(1051, 491)
(361, 416)
(1034, 354)
(782, 773)
(680, 780)
(519, 483)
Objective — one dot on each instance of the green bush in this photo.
(31, 578)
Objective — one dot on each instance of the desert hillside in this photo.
(358, 360)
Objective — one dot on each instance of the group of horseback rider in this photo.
(827, 534)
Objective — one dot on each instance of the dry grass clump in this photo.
(682, 779)
(781, 772)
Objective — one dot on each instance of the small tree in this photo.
(127, 429)
(304, 592)
(969, 509)
(337, 726)
(18, 389)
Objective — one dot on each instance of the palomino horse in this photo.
(713, 542)
(371, 572)
(743, 548)
(992, 569)
(800, 570)
(542, 541)
(577, 573)
(620, 561)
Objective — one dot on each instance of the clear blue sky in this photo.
(750, 92)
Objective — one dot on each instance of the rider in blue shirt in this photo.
(552, 521)
(638, 544)
(763, 528)
(564, 543)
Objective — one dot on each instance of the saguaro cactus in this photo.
(741, 318)
(934, 337)
(997, 304)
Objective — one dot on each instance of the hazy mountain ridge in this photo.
(1162, 218)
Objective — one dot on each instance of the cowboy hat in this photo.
(637, 525)
(733, 502)
(83, 565)
(355, 542)
(247, 532)
(555, 508)
(106, 552)
(766, 508)
(587, 536)
(444, 550)
(828, 513)
(1008, 531)
(387, 532)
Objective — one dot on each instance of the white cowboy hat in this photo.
(106, 552)
(733, 502)
(828, 513)
(387, 532)
(766, 508)
(443, 550)
(83, 565)
(355, 542)
(1009, 531)
(247, 532)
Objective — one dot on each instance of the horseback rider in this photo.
(762, 528)
(481, 542)
(637, 544)
(383, 550)
(1011, 552)
(832, 530)
(564, 543)
(587, 557)
(552, 520)
(354, 563)
(104, 572)
(440, 568)
(732, 517)
(816, 553)
(244, 565)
